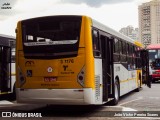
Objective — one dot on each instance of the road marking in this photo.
(154, 97)
(5, 102)
(128, 109)
(123, 108)
(131, 101)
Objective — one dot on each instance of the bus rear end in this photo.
(154, 59)
(52, 64)
(155, 67)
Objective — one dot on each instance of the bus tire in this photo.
(139, 85)
(140, 78)
(116, 93)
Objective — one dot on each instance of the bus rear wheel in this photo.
(116, 93)
(139, 86)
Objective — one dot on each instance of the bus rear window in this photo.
(51, 34)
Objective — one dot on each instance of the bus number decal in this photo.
(67, 61)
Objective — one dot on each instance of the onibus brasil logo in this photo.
(20, 115)
(6, 5)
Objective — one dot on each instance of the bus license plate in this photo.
(50, 79)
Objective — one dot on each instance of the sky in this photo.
(115, 14)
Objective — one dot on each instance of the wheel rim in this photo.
(116, 91)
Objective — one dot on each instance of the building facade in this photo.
(130, 31)
(149, 22)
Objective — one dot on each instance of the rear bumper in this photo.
(56, 96)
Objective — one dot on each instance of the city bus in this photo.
(75, 60)
(7, 68)
(154, 60)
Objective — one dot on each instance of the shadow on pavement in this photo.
(68, 110)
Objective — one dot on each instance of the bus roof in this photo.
(111, 31)
(153, 46)
(103, 28)
(115, 33)
(4, 39)
(8, 36)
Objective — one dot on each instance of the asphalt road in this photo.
(148, 99)
(135, 105)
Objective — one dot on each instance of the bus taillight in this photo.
(21, 78)
(81, 77)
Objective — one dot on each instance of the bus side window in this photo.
(124, 48)
(96, 44)
(116, 46)
(129, 58)
(120, 50)
(137, 59)
(124, 52)
(1, 47)
(116, 56)
(134, 58)
(120, 47)
(127, 49)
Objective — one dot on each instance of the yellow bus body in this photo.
(64, 79)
